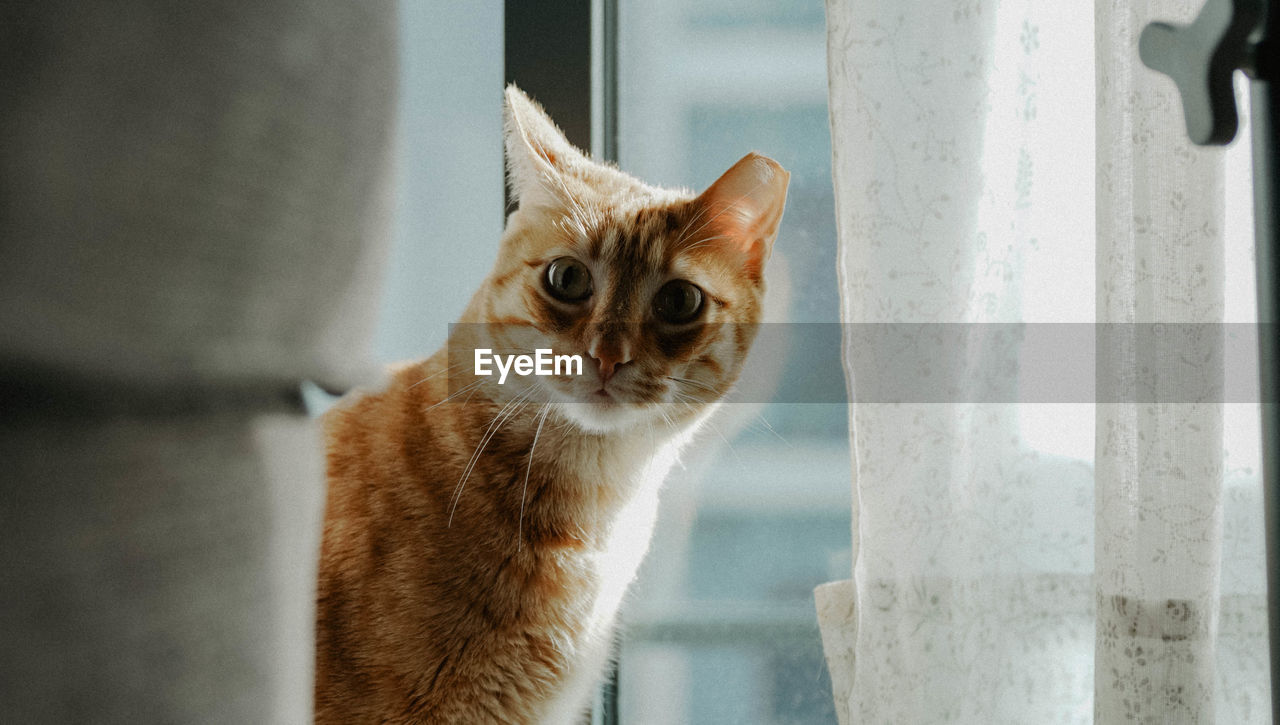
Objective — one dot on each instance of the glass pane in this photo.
(721, 627)
(448, 197)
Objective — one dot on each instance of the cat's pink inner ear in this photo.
(744, 207)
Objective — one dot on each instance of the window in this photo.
(721, 625)
(448, 203)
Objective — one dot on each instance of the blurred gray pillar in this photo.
(193, 203)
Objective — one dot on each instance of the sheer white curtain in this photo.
(1012, 161)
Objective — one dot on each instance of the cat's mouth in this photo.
(607, 397)
(601, 397)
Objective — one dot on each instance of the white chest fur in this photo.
(612, 567)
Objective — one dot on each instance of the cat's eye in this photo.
(568, 280)
(678, 302)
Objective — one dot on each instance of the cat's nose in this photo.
(609, 355)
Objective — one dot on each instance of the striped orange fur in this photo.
(479, 538)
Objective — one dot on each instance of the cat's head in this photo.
(658, 290)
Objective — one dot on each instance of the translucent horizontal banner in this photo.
(887, 362)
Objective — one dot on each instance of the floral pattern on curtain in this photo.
(995, 578)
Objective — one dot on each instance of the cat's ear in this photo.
(538, 154)
(744, 207)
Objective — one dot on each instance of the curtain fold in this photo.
(1011, 162)
(1158, 465)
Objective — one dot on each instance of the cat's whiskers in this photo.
(506, 413)
(484, 438)
(473, 387)
(438, 373)
(715, 428)
(546, 409)
(695, 384)
(469, 395)
(774, 432)
(688, 401)
(727, 442)
(670, 423)
(684, 398)
(469, 387)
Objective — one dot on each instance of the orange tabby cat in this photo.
(477, 546)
